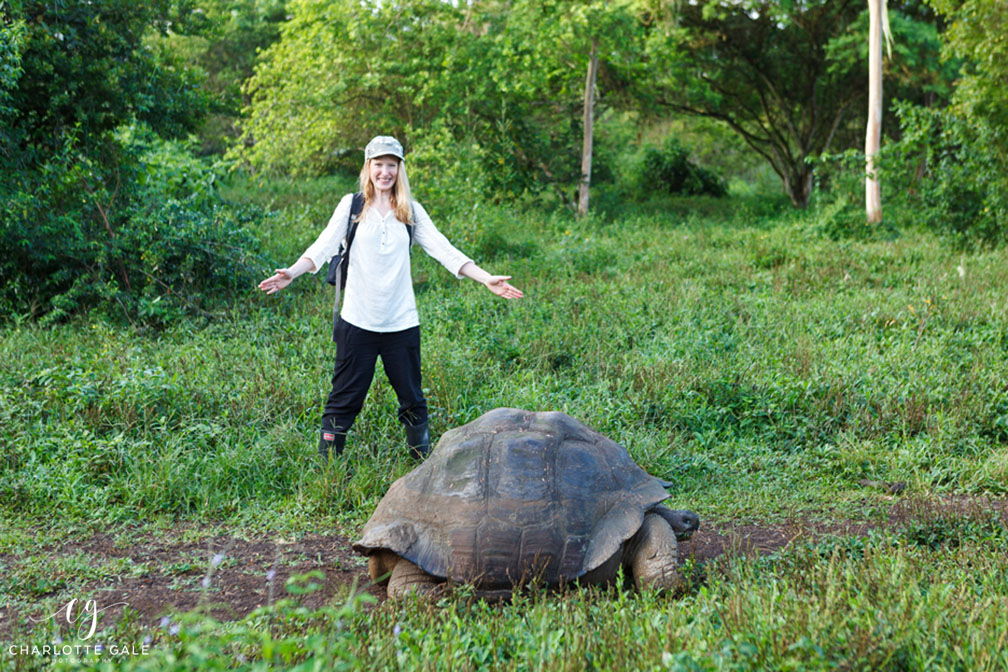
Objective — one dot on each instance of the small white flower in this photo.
(961, 270)
(58, 640)
(147, 640)
(174, 630)
(397, 630)
(206, 581)
(217, 559)
(270, 575)
(165, 621)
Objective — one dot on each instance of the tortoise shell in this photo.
(514, 496)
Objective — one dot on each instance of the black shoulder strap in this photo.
(337, 262)
(355, 209)
(356, 205)
(411, 226)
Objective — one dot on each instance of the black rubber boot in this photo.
(332, 440)
(418, 440)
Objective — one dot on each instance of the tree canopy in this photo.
(508, 77)
(83, 68)
(790, 78)
(978, 35)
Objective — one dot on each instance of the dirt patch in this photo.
(229, 577)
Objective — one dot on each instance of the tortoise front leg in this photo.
(653, 554)
(380, 565)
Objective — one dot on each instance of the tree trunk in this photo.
(873, 136)
(589, 129)
(797, 180)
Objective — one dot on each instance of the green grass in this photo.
(762, 367)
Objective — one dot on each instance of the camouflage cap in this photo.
(383, 145)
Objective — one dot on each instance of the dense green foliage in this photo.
(790, 78)
(156, 244)
(952, 174)
(219, 40)
(84, 71)
(945, 174)
(670, 170)
(976, 34)
(96, 210)
(504, 81)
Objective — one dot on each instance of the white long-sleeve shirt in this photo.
(379, 289)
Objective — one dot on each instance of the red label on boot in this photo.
(329, 436)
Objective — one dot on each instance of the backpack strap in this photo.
(411, 227)
(340, 261)
(355, 210)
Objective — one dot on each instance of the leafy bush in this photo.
(669, 169)
(946, 174)
(96, 210)
(141, 236)
(445, 173)
(951, 171)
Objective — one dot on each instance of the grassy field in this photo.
(768, 371)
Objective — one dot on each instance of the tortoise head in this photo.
(684, 523)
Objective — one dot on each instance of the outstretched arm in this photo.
(323, 248)
(498, 284)
(283, 276)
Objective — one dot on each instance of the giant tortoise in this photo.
(516, 497)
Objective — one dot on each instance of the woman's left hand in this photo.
(499, 285)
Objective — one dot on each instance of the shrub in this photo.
(952, 173)
(669, 169)
(140, 234)
(947, 174)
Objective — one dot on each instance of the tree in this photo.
(561, 64)
(86, 217)
(343, 72)
(11, 39)
(220, 40)
(588, 130)
(978, 34)
(507, 78)
(85, 70)
(879, 24)
(788, 77)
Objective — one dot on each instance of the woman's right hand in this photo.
(273, 284)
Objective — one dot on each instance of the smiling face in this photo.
(383, 171)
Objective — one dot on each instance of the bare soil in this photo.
(163, 574)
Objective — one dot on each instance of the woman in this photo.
(378, 316)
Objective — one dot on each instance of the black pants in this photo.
(356, 352)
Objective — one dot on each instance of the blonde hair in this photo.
(402, 199)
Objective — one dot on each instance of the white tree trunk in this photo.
(589, 130)
(873, 136)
